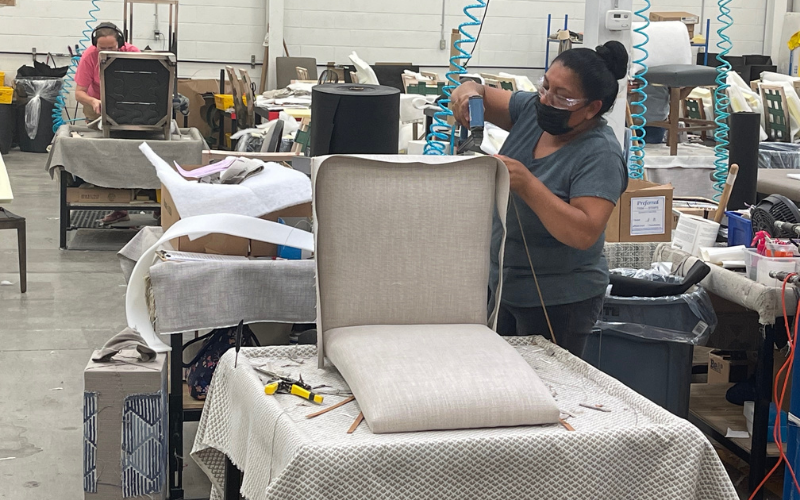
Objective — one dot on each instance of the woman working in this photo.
(567, 173)
(105, 37)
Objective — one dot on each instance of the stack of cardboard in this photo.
(685, 17)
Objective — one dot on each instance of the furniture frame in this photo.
(676, 95)
(776, 113)
(168, 60)
(9, 220)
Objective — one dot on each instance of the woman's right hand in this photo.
(459, 100)
(97, 105)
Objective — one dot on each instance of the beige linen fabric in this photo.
(428, 377)
(404, 243)
(402, 249)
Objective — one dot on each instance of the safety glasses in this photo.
(555, 100)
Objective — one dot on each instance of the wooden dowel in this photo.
(332, 407)
(353, 427)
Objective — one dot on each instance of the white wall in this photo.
(513, 36)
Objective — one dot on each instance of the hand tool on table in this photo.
(285, 385)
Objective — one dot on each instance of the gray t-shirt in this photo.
(590, 165)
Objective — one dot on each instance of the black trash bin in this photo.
(8, 122)
(35, 119)
(648, 343)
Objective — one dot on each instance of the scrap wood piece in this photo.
(566, 425)
(332, 407)
(353, 427)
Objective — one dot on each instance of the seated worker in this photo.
(105, 37)
(567, 172)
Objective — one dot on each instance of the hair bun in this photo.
(615, 56)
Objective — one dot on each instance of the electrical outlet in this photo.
(252, 60)
(442, 44)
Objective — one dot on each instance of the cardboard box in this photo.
(198, 105)
(643, 214)
(224, 244)
(686, 18)
(725, 367)
(99, 195)
(117, 396)
(701, 207)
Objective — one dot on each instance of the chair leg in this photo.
(22, 247)
(674, 104)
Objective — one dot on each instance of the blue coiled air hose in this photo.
(441, 132)
(721, 100)
(69, 79)
(636, 163)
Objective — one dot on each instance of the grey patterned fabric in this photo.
(630, 255)
(638, 450)
(456, 377)
(118, 163)
(90, 442)
(194, 295)
(732, 286)
(186, 294)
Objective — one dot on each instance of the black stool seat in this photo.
(682, 75)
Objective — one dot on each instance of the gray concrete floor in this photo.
(74, 303)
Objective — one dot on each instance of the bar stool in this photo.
(13, 221)
(681, 79)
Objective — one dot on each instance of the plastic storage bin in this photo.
(659, 370)
(749, 408)
(647, 343)
(758, 266)
(740, 230)
(225, 101)
(6, 95)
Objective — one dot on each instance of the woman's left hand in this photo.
(519, 175)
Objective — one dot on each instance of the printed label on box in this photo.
(647, 215)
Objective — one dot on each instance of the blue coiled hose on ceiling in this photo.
(441, 132)
(69, 79)
(636, 163)
(721, 99)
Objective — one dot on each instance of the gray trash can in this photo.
(648, 343)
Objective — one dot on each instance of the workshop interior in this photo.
(484, 249)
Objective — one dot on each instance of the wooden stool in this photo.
(12, 221)
(681, 79)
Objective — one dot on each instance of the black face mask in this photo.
(552, 120)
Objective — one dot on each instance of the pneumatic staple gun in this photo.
(472, 143)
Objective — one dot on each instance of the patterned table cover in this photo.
(637, 450)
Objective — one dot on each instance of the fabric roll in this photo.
(354, 119)
(744, 140)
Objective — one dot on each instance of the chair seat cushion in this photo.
(682, 75)
(397, 373)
